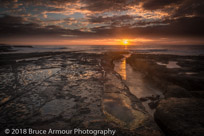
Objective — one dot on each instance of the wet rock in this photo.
(143, 99)
(124, 111)
(181, 116)
(50, 92)
(153, 104)
(154, 97)
(5, 48)
(162, 76)
(111, 89)
(85, 110)
(198, 94)
(176, 91)
(57, 106)
(151, 100)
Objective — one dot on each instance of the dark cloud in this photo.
(185, 18)
(108, 5)
(183, 27)
(12, 26)
(9, 3)
(112, 19)
(8, 20)
(16, 26)
(190, 8)
(178, 8)
(158, 4)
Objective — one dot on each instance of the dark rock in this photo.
(198, 94)
(153, 104)
(143, 99)
(181, 116)
(5, 48)
(85, 110)
(23, 46)
(176, 91)
(153, 97)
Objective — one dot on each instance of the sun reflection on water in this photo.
(121, 68)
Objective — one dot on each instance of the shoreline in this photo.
(91, 87)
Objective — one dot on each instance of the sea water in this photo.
(150, 49)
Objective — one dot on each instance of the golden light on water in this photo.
(121, 69)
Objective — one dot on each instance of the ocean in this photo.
(150, 49)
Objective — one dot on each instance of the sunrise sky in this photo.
(101, 22)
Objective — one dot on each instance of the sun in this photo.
(124, 42)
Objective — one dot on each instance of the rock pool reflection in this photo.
(170, 64)
(136, 84)
(120, 67)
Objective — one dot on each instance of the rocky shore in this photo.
(69, 90)
(180, 78)
(51, 90)
(10, 48)
(121, 108)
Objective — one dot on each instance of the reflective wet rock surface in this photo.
(121, 106)
(68, 90)
(62, 90)
(148, 94)
(132, 94)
